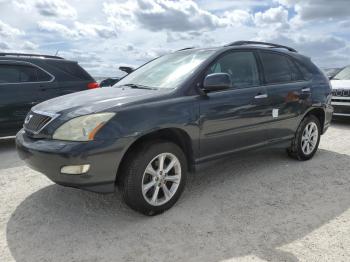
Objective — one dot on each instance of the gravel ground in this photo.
(259, 206)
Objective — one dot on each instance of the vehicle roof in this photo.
(252, 47)
(19, 57)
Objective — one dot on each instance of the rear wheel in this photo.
(306, 140)
(153, 177)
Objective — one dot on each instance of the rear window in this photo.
(71, 69)
(10, 73)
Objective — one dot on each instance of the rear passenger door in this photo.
(22, 85)
(288, 92)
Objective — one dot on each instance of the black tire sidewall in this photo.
(135, 167)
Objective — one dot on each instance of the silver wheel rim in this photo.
(309, 138)
(161, 179)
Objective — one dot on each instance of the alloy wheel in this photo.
(161, 179)
(309, 138)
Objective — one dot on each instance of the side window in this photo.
(27, 74)
(10, 73)
(241, 66)
(276, 68)
(296, 73)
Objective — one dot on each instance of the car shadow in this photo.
(251, 204)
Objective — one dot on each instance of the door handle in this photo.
(260, 96)
(304, 90)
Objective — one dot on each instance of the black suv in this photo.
(28, 79)
(168, 116)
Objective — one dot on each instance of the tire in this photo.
(139, 186)
(299, 148)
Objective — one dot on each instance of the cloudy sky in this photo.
(103, 34)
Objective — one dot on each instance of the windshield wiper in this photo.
(140, 86)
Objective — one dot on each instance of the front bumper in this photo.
(49, 156)
(341, 106)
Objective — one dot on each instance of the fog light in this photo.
(75, 170)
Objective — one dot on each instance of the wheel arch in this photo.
(175, 135)
(318, 112)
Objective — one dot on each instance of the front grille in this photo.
(34, 122)
(341, 92)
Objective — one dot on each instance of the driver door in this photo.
(234, 119)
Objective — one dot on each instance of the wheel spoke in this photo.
(150, 170)
(148, 186)
(310, 131)
(166, 191)
(161, 160)
(174, 179)
(155, 195)
(171, 165)
(304, 146)
(313, 142)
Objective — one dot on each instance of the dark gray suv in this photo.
(28, 79)
(170, 115)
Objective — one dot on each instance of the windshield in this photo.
(168, 71)
(343, 74)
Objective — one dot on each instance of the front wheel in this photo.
(153, 177)
(306, 140)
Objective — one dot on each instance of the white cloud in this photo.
(276, 17)
(77, 30)
(165, 15)
(92, 30)
(319, 9)
(50, 8)
(28, 45)
(9, 31)
(237, 17)
(4, 46)
(174, 16)
(54, 27)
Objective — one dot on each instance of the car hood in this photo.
(340, 84)
(97, 100)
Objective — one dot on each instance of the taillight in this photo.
(93, 85)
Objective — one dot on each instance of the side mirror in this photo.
(217, 82)
(126, 69)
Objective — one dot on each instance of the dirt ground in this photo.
(259, 206)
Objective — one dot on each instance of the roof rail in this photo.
(31, 55)
(186, 48)
(271, 45)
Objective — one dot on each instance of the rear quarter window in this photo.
(71, 70)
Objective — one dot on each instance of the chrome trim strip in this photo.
(340, 103)
(341, 97)
(340, 114)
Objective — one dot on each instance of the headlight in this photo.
(83, 128)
